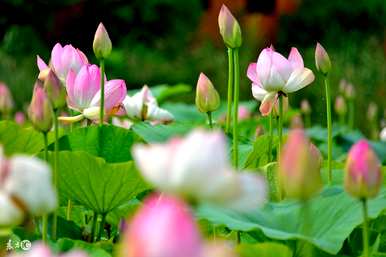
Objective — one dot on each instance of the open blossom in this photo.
(274, 74)
(363, 176)
(63, 59)
(25, 187)
(41, 250)
(83, 91)
(299, 166)
(6, 102)
(144, 106)
(163, 227)
(197, 168)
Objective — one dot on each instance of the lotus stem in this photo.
(365, 231)
(230, 90)
(102, 110)
(329, 127)
(236, 106)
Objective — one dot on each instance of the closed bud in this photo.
(6, 102)
(40, 110)
(305, 107)
(229, 28)
(299, 167)
(363, 176)
(56, 92)
(322, 61)
(372, 111)
(102, 43)
(340, 106)
(350, 91)
(207, 98)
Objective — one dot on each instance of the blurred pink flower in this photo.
(64, 59)
(163, 227)
(6, 102)
(83, 91)
(197, 168)
(363, 177)
(19, 118)
(273, 74)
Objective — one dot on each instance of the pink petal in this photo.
(268, 103)
(263, 65)
(70, 84)
(295, 59)
(252, 73)
(282, 65)
(115, 93)
(56, 56)
(87, 84)
(41, 64)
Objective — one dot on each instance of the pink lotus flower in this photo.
(83, 91)
(163, 227)
(41, 250)
(197, 168)
(6, 102)
(363, 177)
(273, 74)
(63, 59)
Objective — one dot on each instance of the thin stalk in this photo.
(270, 137)
(69, 209)
(307, 118)
(101, 227)
(351, 113)
(102, 111)
(94, 226)
(329, 128)
(236, 106)
(238, 237)
(280, 125)
(56, 163)
(210, 119)
(230, 90)
(365, 231)
(341, 119)
(45, 216)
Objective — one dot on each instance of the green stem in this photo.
(351, 113)
(365, 230)
(236, 107)
(94, 226)
(329, 128)
(45, 216)
(341, 119)
(102, 226)
(238, 237)
(270, 135)
(102, 110)
(280, 134)
(56, 163)
(230, 90)
(307, 120)
(69, 209)
(210, 119)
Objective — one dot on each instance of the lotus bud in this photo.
(299, 167)
(40, 110)
(207, 98)
(163, 227)
(372, 111)
(19, 118)
(350, 91)
(297, 122)
(102, 43)
(363, 176)
(305, 107)
(322, 61)
(342, 85)
(6, 102)
(229, 28)
(55, 91)
(340, 106)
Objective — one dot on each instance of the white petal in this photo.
(155, 113)
(258, 92)
(299, 78)
(10, 214)
(30, 180)
(133, 106)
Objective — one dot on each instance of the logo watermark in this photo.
(24, 245)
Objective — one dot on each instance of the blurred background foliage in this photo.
(172, 41)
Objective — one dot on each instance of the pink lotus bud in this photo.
(342, 85)
(6, 102)
(297, 122)
(244, 113)
(102, 43)
(322, 61)
(299, 167)
(372, 111)
(55, 91)
(19, 118)
(163, 227)
(340, 106)
(350, 91)
(305, 107)
(229, 28)
(40, 110)
(207, 98)
(363, 177)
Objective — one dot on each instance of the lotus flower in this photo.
(63, 59)
(41, 250)
(229, 28)
(25, 186)
(322, 60)
(363, 177)
(197, 168)
(40, 110)
(143, 106)
(207, 97)
(83, 91)
(273, 74)
(299, 166)
(163, 227)
(19, 118)
(102, 43)
(6, 102)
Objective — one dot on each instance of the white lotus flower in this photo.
(383, 134)
(197, 168)
(144, 106)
